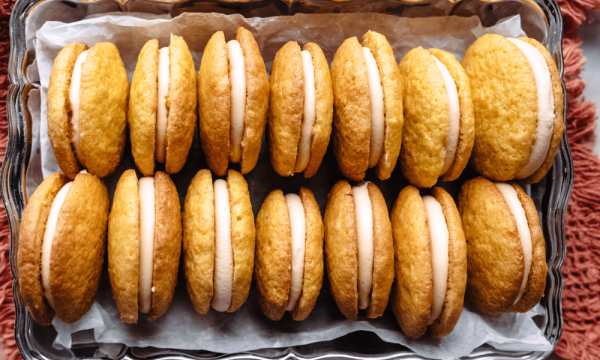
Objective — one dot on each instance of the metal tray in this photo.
(551, 195)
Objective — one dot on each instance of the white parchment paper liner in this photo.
(248, 329)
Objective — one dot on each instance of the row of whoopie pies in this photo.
(426, 255)
(501, 109)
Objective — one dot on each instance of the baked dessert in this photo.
(518, 104)
(218, 241)
(87, 108)
(300, 109)
(62, 237)
(505, 247)
(367, 93)
(439, 129)
(289, 254)
(144, 244)
(233, 93)
(431, 263)
(359, 249)
(162, 106)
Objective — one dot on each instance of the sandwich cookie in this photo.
(218, 241)
(431, 263)
(61, 245)
(233, 93)
(300, 109)
(518, 106)
(367, 93)
(439, 130)
(162, 106)
(289, 254)
(87, 108)
(144, 244)
(359, 250)
(505, 247)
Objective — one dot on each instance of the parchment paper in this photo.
(248, 329)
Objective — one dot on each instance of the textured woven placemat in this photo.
(581, 297)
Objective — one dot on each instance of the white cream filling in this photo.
(438, 237)
(516, 208)
(545, 121)
(298, 231)
(161, 110)
(147, 222)
(237, 78)
(453, 116)
(309, 112)
(223, 276)
(49, 237)
(76, 105)
(377, 117)
(363, 213)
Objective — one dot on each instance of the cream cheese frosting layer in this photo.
(453, 116)
(309, 112)
(298, 231)
(76, 105)
(438, 237)
(516, 208)
(237, 79)
(147, 223)
(363, 213)
(223, 276)
(162, 112)
(377, 116)
(49, 238)
(545, 104)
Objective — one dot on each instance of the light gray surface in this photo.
(590, 34)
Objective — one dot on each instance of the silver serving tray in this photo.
(551, 195)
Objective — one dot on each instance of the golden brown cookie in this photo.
(341, 250)
(77, 249)
(286, 110)
(199, 239)
(506, 126)
(273, 272)
(412, 295)
(29, 249)
(352, 118)
(143, 102)
(214, 96)
(352, 123)
(495, 254)
(103, 96)
(426, 117)
(124, 245)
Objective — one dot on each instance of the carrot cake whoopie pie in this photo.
(431, 263)
(162, 106)
(300, 109)
(518, 104)
(359, 249)
(289, 254)
(60, 252)
(505, 247)
(218, 241)
(367, 94)
(144, 244)
(439, 130)
(233, 93)
(87, 108)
